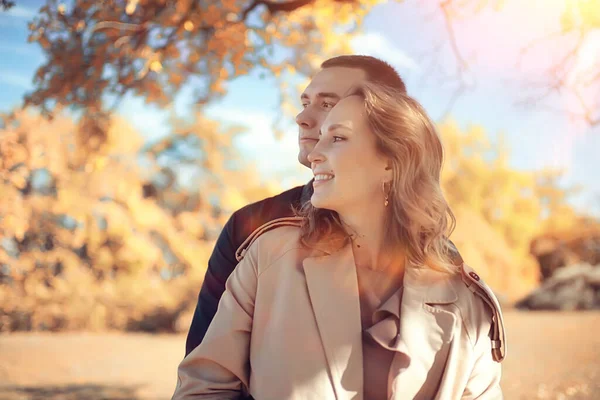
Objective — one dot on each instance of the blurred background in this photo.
(130, 130)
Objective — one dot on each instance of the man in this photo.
(336, 76)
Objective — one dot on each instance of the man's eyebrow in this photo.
(330, 95)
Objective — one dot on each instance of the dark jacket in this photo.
(222, 260)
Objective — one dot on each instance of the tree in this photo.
(500, 209)
(517, 203)
(82, 218)
(83, 240)
(152, 48)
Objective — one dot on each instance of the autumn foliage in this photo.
(109, 241)
(100, 230)
(152, 48)
(104, 243)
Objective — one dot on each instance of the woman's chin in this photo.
(322, 204)
(318, 201)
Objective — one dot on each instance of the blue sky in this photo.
(403, 34)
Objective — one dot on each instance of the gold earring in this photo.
(386, 202)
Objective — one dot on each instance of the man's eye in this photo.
(328, 105)
(304, 105)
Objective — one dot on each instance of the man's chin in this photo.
(303, 158)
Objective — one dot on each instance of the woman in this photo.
(357, 297)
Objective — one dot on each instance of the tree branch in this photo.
(451, 35)
(274, 7)
(523, 52)
(6, 5)
(462, 66)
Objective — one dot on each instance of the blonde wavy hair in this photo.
(420, 217)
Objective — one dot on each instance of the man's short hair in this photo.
(378, 71)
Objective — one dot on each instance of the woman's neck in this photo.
(369, 242)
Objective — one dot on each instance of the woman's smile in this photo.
(321, 179)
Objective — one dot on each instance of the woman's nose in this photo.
(316, 156)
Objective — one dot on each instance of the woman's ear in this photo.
(388, 175)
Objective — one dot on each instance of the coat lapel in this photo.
(426, 331)
(333, 290)
(425, 334)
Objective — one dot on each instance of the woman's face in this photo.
(348, 170)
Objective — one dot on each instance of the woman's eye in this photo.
(337, 138)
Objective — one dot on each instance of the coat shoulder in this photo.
(277, 236)
(480, 308)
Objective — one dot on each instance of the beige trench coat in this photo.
(288, 327)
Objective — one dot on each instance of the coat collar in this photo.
(425, 331)
(433, 287)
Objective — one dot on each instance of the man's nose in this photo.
(305, 119)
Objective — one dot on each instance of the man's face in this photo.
(324, 91)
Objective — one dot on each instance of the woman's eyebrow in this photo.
(333, 127)
(327, 95)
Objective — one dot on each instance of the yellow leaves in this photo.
(103, 259)
(154, 92)
(153, 63)
(68, 198)
(233, 200)
(182, 6)
(146, 214)
(80, 26)
(270, 28)
(156, 66)
(122, 138)
(188, 26)
(567, 19)
(583, 14)
(231, 17)
(137, 253)
(216, 35)
(223, 73)
(290, 69)
(15, 226)
(44, 42)
(510, 201)
(229, 39)
(190, 223)
(294, 38)
(109, 248)
(218, 87)
(131, 6)
(589, 11)
(233, 6)
(97, 164)
(19, 178)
